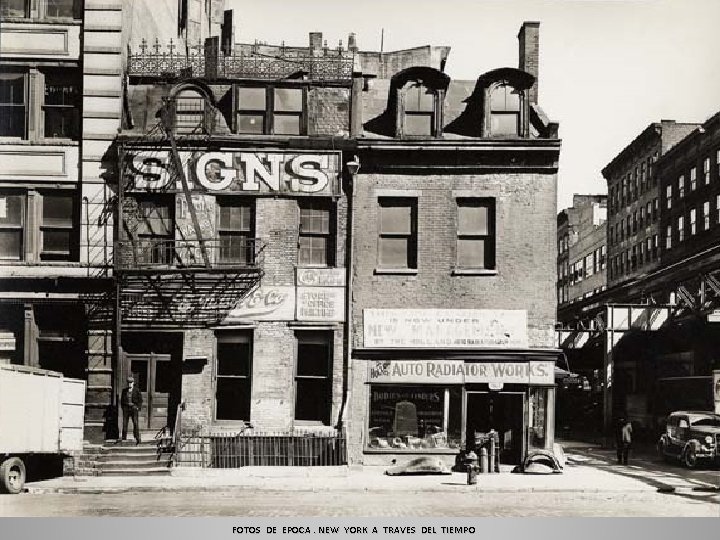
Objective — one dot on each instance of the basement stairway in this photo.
(124, 459)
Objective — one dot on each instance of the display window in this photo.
(411, 418)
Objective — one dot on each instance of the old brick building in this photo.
(453, 233)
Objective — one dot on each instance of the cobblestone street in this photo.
(278, 504)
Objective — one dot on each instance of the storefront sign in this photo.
(320, 277)
(459, 372)
(445, 328)
(248, 172)
(266, 304)
(321, 304)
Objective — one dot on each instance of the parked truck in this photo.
(41, 418)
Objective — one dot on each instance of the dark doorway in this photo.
(155, 361)
(505, 413)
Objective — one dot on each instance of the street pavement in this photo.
(592, 484)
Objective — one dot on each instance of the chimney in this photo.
(316, 42)
(352, 44)
(529, 41)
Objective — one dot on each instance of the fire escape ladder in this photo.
(177, 162)
(686, 296)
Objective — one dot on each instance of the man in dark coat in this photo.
(131, 401)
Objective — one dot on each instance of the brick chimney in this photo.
(529, 41)
(352, 42)
(316, 42)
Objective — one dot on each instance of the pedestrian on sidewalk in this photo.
(131, 401)
(623, 440)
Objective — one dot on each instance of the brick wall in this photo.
(525, 254)
(329, 111)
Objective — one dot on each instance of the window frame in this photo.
(435, 114)
(245, 336)
(48, 255)
(412, 236)
(489, 239)
(269, 112)
(315, 204)
(11, 106)
(519, 114)
(20, 229)
(234, 201)
(191, 113)
(314, 337)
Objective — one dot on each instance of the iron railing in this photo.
(247, 61)
(248, 449)
(156, 253)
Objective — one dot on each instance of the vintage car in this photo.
(693, 437)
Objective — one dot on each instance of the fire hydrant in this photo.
(471, 461)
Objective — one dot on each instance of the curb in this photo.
(258, 489)
(696, 489)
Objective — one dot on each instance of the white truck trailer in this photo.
(41, 415)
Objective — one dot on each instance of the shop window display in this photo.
(414, 417)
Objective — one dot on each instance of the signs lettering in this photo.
(246, 172)
(321, 304)
(266, 304)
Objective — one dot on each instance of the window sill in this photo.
(474, 272)
(396, 271)
(42, 20)
(37, 142)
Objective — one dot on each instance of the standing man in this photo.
(131, 401)
(623, 440)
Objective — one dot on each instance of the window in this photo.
(693, 178)
(14, 8)
(12, 105)
(55, 212)
(706, 215)
(190, 112)
(656, 208)
(668, 197)
(476, 233)
(414, 418)
(668, 237)
(681, 186)
(717, 209)
(12, 224)
(235, 230)
(62, 9)
(154, 240)
(57, 227)
(313, 377)
(648, 248)
(603, 257)
(270, 110)
(316, 233)
(633, 259)
(706, 171)
(398, 233)
(234, 377)
(641, 219)
(505, 110)
(656, 243)
(62, 119)
(681, 228)
(693, 218)
(419, 110)
(588, 263)
(50, 9)
(648, 211)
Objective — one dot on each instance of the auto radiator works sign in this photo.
(247, 172)
(460, 372)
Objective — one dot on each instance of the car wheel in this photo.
(12, 475)
(690, 458)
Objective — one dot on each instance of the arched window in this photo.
(505, 107)
(190, 112)
(419, 111)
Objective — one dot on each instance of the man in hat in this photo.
(131, 401)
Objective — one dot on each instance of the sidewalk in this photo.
(589, 469)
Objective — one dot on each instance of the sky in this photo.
(608, 68)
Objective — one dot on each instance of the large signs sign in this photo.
(459, 372)
(247, 172)
(321, 304)
(445, 328)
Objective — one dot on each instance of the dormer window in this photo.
(505, 110)
(190, 112)
(419, 116)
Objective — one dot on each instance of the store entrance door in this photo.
(155, 378)
(505, 413)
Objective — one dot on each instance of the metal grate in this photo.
(230, 451)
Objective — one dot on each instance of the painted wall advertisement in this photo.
(460, 372)
(445, 328)
(265, 304)
(321, 304)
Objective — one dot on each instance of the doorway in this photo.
(154, 378)
(505, 413)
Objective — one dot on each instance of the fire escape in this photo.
(184, 278)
